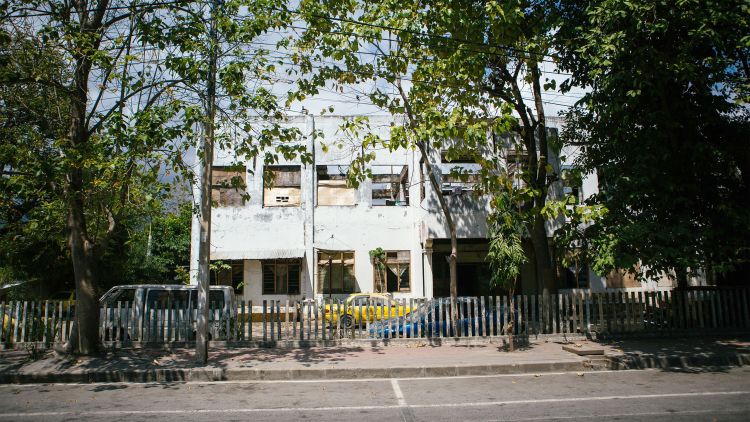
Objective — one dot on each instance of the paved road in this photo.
(622, 395)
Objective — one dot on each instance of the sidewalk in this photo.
(360, 361)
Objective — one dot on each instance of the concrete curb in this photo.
(677, 362)
(221, 374)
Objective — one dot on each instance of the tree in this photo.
(453, 90)
(506, 254)
(378, 258)
(665, 127)
(134, 89)
(92, 160)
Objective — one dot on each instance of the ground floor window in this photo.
(228, 273)
(336, 272)
(394, 275)
(281, 277)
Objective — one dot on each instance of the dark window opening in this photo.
(390, 185)
(228, 186)
(281, 277)
(228, 273)
(336, 272)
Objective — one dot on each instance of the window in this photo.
(336, 272)
(215, 299)
(395, 277)
(281, 277)
(571, 179)
(281, 186)
(228, 186)
(458, 174)
(228, 273)
(390, 185)
(332, 186)
(517, 165)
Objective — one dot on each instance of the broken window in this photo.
(458, 175)
(281, 277)
(228, 273)
(336, 272)
(390, 185)
(228, 186)
(281, 186)
(333, 188)
(395, 277)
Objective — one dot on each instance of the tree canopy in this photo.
(664, 126)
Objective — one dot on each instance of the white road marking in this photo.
(399, 394)
(343, 408)
(621, 415)
(330, 380)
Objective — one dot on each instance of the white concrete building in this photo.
(307, 234)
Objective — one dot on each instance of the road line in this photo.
(344, 408)
(577, 399)
(399, 394)
(620, 415)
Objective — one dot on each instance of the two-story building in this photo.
(298, 230)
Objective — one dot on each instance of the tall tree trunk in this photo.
(204, 252)
(451, 229)
(86, 341)
(539, 235)
(81, 248)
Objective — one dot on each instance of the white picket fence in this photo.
(617, 312)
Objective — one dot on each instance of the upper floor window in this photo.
(333, 188)
(459, 174)
(228, 186)
(390, 185)
(281, 186)
(572, 183)
(517, 165)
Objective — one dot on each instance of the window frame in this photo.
(269, 186)
(222, 187)
(391, 179)
(323, 284)
(275, 263)
(340, 177)
(399, 262)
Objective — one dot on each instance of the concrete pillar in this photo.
(307, 186)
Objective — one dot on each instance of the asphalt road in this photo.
(622, 395)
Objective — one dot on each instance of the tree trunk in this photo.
(87, 302)
(204, 250)
(543, 260)
(511, 321)
(451, 229)
(81, 248)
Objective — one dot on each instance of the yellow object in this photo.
(363, 307)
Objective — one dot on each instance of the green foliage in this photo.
(378, 258)
(665, 128)
(506, 254)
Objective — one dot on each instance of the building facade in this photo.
(299, 231)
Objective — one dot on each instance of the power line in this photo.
(408, 31)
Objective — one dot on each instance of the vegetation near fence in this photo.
(42, 324)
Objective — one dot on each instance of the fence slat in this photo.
(554, 317)
(278, 320)
(4, 321)
(745, 308)
(264, 316)
(23, 322)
